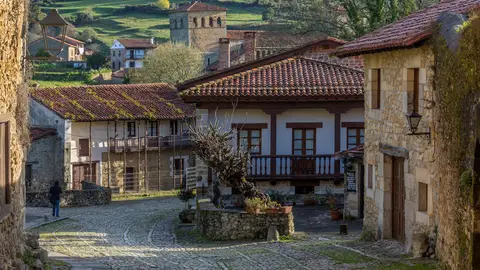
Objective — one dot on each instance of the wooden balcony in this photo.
(152, 143)
(293, 166)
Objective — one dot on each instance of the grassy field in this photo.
(139, 25)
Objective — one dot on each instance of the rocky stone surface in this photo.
(225, 224)
(72, 198)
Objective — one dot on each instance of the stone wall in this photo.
(14, 109)
(72, 198)
(224, 224)
(386, 137)
(46, 160)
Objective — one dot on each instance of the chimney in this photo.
(250, 45)
(152, 40)
(224, 53)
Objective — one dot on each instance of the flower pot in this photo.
(271, 211)
(251, 210)
(335, 215)
(285, 210)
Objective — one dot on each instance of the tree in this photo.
(163, 4)
(170, 63)
(96, 60)
(88, 35)
(213, 145)
(343, 18)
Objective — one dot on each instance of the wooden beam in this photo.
(305, 125)
(338, 119)
(250, 126)
(353, 124)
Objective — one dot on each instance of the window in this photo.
(152, 128)
(203, 22)
(131, 64)
(422, 197)
(113, 52)
(176, 24)
(376, 89)
(355, 137)
(219, 21)
(195, 22)
(178, 165)
(250, 139)
(173, 127)
(84, 145)
(303, 141)
(113, 65)
(412, 89)
(131, 129)
(119, 65)
(181, 23)
(370, 176)
(211, 22)
(5, 196)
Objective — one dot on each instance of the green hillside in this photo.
(140, 25)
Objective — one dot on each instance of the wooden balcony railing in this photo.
(134, 144)
(278, 166)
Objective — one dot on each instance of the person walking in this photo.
(54, 194)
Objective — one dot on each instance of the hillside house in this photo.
(127, 137)
(403, 193)
(129, 53)
(73, 50)
(292, 112)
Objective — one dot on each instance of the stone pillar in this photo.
(250, 46)
(202, 170)
(224, 53)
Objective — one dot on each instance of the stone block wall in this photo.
(14, 109)
(46, 160)
(223, 224)
(72, 198)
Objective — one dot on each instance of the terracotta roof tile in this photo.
(199, 6)
(114, 102)
(291, 77)
(407, 31)
(71, 40)
(37, 133)
(137, 43)
(277, 39)
(119, 73)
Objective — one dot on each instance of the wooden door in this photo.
(398, 203)
(81, 172)
(303, 147)
(129, 182)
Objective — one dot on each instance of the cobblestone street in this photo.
(144, 234)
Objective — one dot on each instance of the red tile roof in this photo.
(277, 39)
(114, 102)
(71, 40)
(407, 31)
(199, 6)
(67, 42)
(37, 133)
(291, 77)
(137, 43)
(119, 73)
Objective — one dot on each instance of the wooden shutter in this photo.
(413, 84)
(376, 89)
(5, 196)
(370, 176)
(84, 147)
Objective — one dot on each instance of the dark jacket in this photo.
(54, 193)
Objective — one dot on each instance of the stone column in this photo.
(224, 53)
(250, 46)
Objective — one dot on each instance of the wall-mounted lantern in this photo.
(413, 120)
(52, 21)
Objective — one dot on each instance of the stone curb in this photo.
(31, 226)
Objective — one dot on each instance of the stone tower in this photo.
(198, 24)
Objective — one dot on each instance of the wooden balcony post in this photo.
(273, 138)
(338, 118)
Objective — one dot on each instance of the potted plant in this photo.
(289, 200)
(286, 209)
(272, 207)
(309, 199)
(254, 205)
(334, 211)
(187, 215)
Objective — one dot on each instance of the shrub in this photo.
(268, 14)
(84, 18)
(163, 4)
(151, 8)
(88, 34)
(256, 203)
(42, 53)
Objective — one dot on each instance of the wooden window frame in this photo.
(174, 130)
(249, 139)
(414, 89)
(151, 128)
(357, 136)
(370, 176)
(5, 170)
(422, 198)
(304, 140)
(82, 152)
(376, 88)
(129, 129)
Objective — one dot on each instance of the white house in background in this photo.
(129, 53)
(293, 112)
(128, 137)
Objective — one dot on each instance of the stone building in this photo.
(129, 53)
(73, 50)
(290, 126)
(128, 137)
(13, 130)
(44, 161)
(403, 193)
